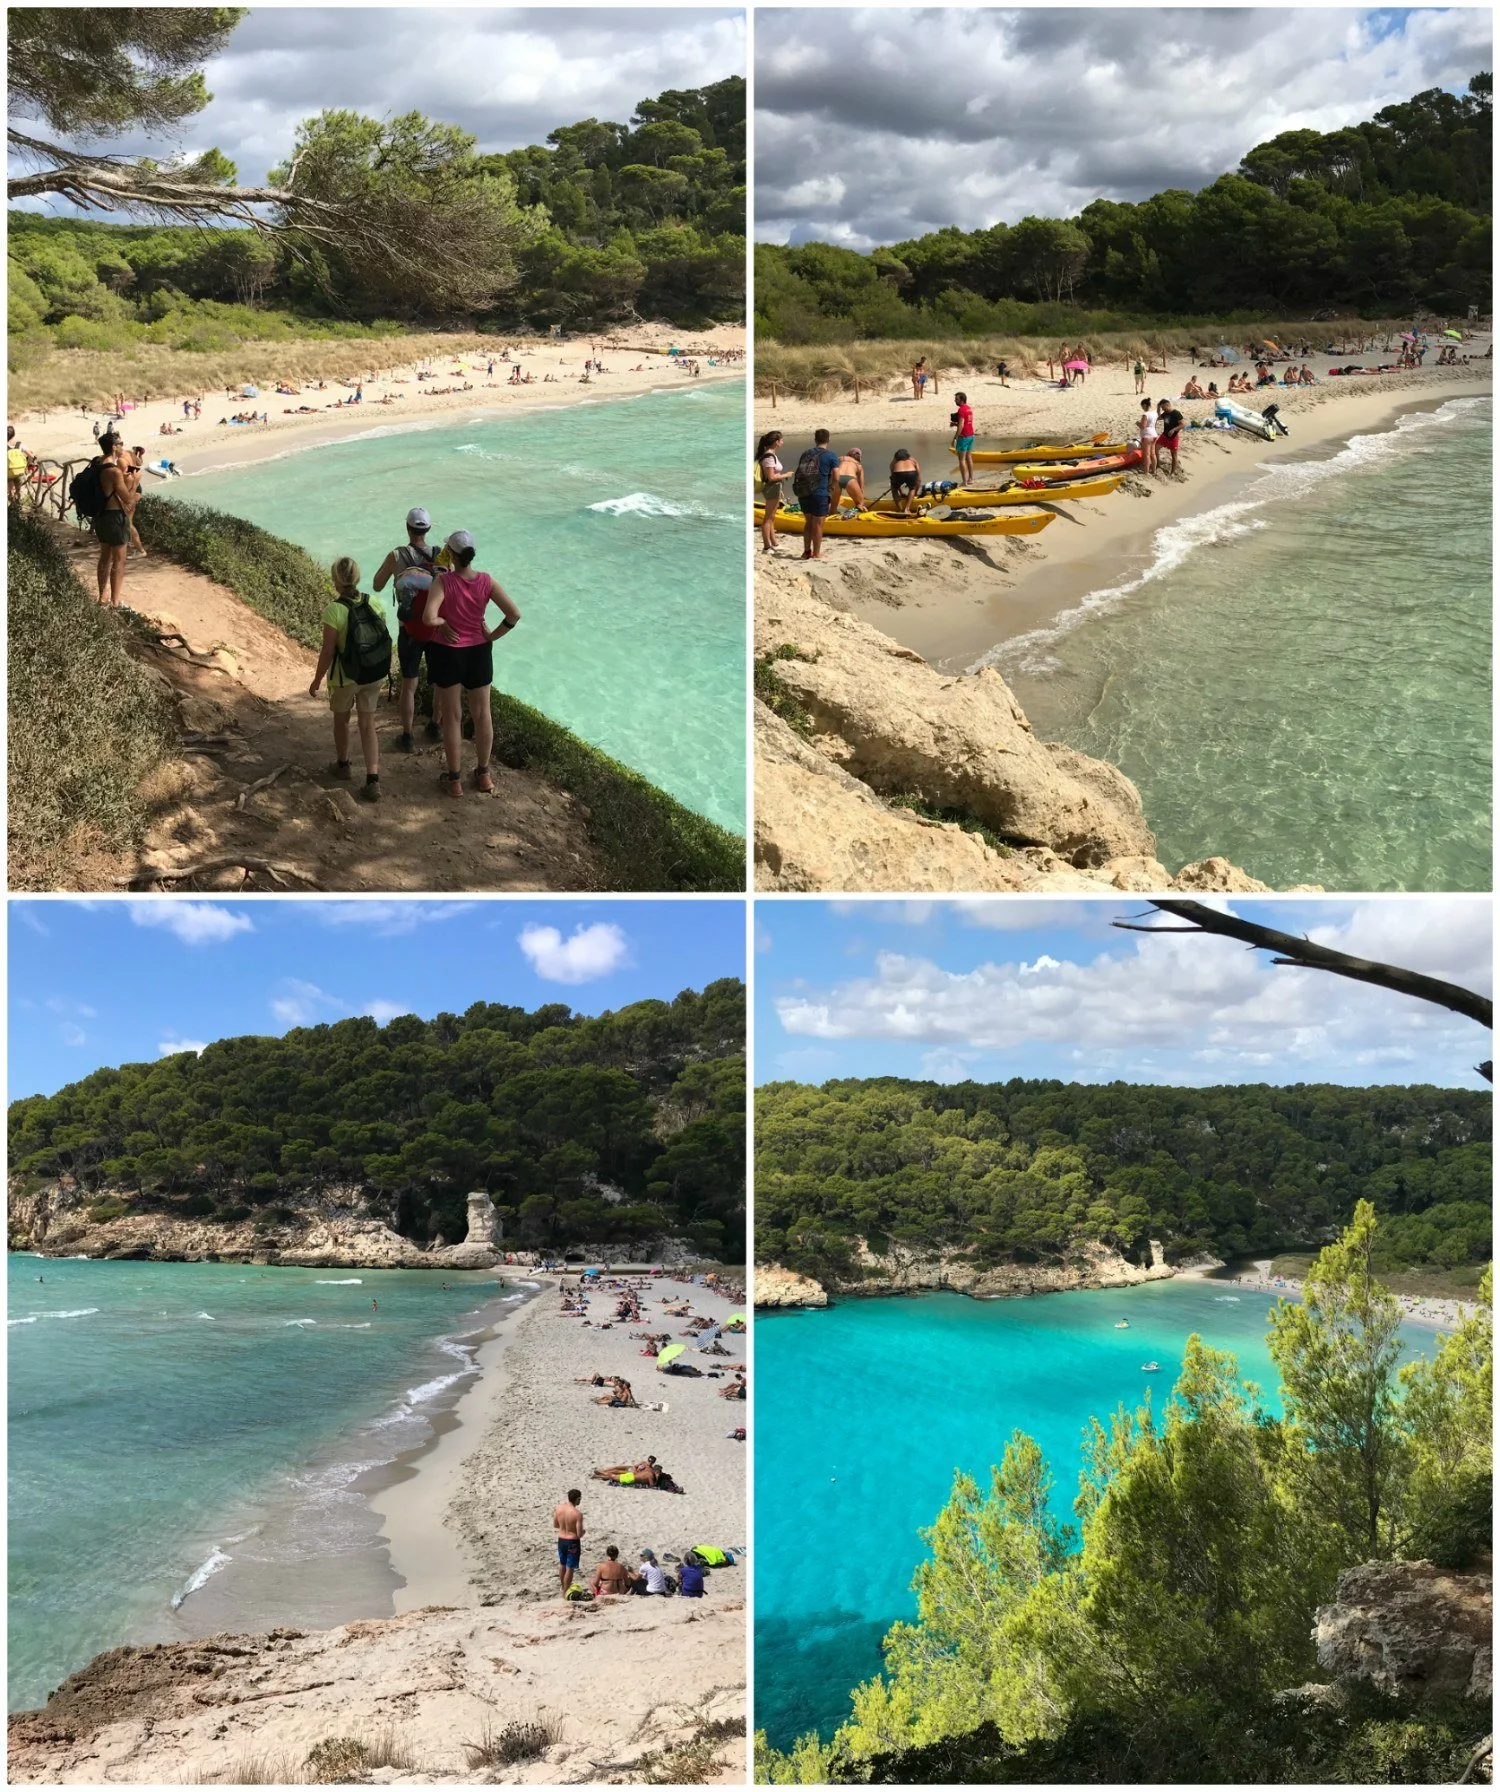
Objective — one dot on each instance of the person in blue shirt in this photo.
(817, 504)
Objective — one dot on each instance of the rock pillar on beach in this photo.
(484, 1222)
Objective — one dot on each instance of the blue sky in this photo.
(995, 989)
(99, 982)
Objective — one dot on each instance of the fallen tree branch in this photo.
(1303, 954)
(277, 870)
(261, 784)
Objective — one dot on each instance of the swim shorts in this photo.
(569, 1551)
(409, 651)
(472, 667)
(964, 444)
(112, 528)
(816, 505)
(903, 482)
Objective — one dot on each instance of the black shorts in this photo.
(903, 482)
(409, 651)
(113, 528)
(472, 667)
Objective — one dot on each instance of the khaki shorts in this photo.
(344, 697)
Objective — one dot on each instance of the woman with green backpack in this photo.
(356, 661)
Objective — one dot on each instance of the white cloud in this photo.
(169, 1048)
(194, 923)
(26, 914)
(383, 1011)
(947, 1067)
(587, 953)
(301, 1003)
(72, 1035)
(388, 920)
(1225, 1008)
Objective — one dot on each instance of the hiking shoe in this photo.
(482, 779)
(452, 783)
(371, 791)
(434, 731)
(405, 744)
(341, 768)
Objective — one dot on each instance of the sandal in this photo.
(452, 783)
(482, 779)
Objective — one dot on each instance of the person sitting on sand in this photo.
(652, 1577)
(1192, 389)
(611, 1576)
(737, 1389)
(621, 1394)
(1309, 378)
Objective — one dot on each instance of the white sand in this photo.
(1426, 1310)
(208, 443)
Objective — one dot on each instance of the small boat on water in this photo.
(989, 497)
(1006, 457)
(872, 523)
(1122, 1325)
(1149, 1368)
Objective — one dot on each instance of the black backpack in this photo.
(86, 493)
(366, 654)
(807, 481)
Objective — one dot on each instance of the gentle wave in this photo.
(1279, 483)
(286, 1322)
(342, 1282)
(648, 504)
(65, 1313)
(216, 1560)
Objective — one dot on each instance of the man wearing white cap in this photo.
(411, 566)
(460, 656)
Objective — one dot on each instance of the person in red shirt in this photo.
(963, 437)
(411, 566)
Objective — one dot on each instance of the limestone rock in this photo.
(778, 1287)
(1410, 1628)
(957, 741)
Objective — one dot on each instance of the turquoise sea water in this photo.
(618, 526)
(864, 1412)
(1301, 678)
(171, 1421)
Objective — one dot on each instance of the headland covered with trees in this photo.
(605, 223)
(623, 1127)
(1378, 220)
(1027, 1171)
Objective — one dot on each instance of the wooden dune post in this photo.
(856, 388)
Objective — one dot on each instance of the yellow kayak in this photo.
(979, 497)
(994, 457)
(870, 523)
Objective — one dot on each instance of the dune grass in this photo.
(69, 378)
(821, 371)
(88, 723)
(643, 839)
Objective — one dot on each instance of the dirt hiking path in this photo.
(251, 802)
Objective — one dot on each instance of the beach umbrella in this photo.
(1457, 335)
(1266, 342)
(1227, 353)
(670, 1353)
(249, 392)
(735, 1319)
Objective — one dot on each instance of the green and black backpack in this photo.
(365, 657)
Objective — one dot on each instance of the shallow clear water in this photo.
(864, 1412)
(1301, 680)
(618, 526)
(166, 1418)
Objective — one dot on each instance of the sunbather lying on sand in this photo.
(649, 1473)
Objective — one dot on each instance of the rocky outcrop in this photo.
(778, 1287)
(884, 724)
(1411, 1629)
(425, 1686)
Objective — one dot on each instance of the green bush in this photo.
(102, 1212)
(645, 839)
(87, 722)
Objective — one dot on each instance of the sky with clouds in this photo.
(989, 990)
(889, 123)
(508, 75)
(102, 982)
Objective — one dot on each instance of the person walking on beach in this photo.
(919, 377)
(411, 566)
(772, 473)
(356, 660)
(813, 488)
(460, 654)
(1139, 370)
(963, 437)
(567, 1523)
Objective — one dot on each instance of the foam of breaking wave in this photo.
(286, 1322)
(648, 504)
(65, 1313)
(1279, 483)
(341, 1282)
(216, 1560)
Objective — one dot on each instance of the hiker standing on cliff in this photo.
(411, 566)
(114, 522)
(356, 661)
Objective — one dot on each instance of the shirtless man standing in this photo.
(567, 1521)
(113, 526)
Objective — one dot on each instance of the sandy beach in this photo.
(954, 602)
(395, 398)
(1425, 1310)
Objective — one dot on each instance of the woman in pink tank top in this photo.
(459, 658)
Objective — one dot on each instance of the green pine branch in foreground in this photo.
(1152, 1646)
